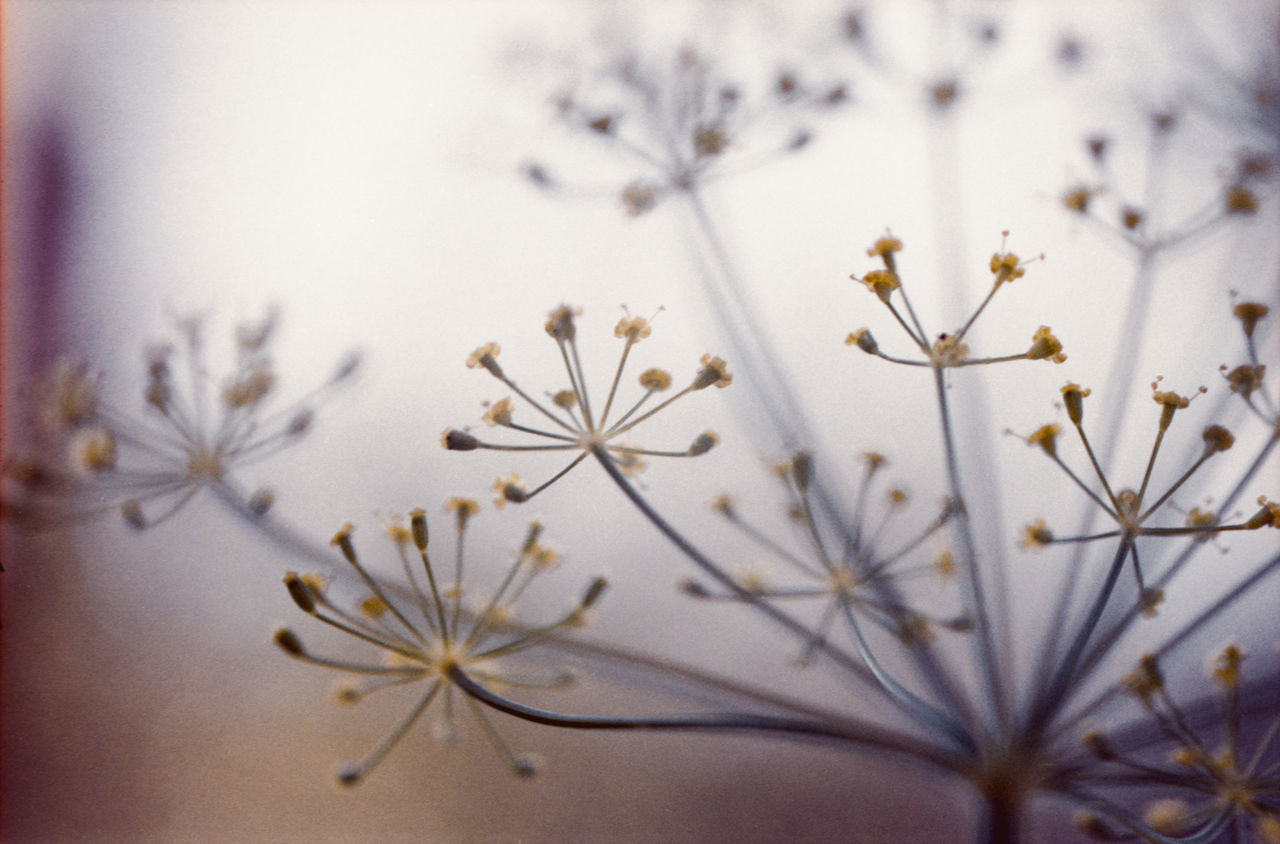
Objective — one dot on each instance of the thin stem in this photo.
(841, 732)
(908, 702)
(984, 638)
(1052, 694)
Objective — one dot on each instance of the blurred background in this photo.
(365, 169)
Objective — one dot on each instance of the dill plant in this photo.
(1064, 708)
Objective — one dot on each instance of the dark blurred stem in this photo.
(738, 315)
(1053, 695)
(984, 638)
(1002, 819)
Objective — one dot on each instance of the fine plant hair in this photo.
(1075, 702)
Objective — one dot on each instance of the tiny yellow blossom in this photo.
(1036, 535)
(1244, 379)
(1249, 313)
(1217, 438)
(94, 450)
(1044, 346)
(944, 93)
(633, 329)
(945, 564)
(1167, 817)
(1241, 200)
(1145, 680)
(710, 140)
(464, 508)
(949, 351)
(560, 323)
(1149, 600)
(1203, 520)
(486, 356)
(656, 380)
(863, 340)
(373, 607)
(68, 395)
(1170, 401)
(509, 488)
(638, 198)
(499, 413)
(1226, 668)
(880, 282)
(1077, 199)
(884, 248)
(714, 372)
(1046, 436)
(249, 389)
(1268, 516)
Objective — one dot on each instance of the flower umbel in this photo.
(1131, 510)
(853, 572)
(948, 350)
(576, 424)
(1204, 784)
(193, 432)
(426, 637)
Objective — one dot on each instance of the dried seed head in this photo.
(1036, 535)
(486, 356)
(639, 197)
(714, 372)
(1073, 396)
(499, 413)
(1241, 200)
(454, 440)
(1249, 313)
(1077, 199)
(1268, 516)
(288, 641)
(560, 323)
(1217, 438)
(880, 282)
(1226, 668)
(510, 489)
(418, 526)
(465, 508)
(1145, 680)
(656, 380)
(1244, 379)
(863, 340)
(1046, 436)
(703, 443)
(1044, 346)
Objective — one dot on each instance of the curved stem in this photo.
(799, 728)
